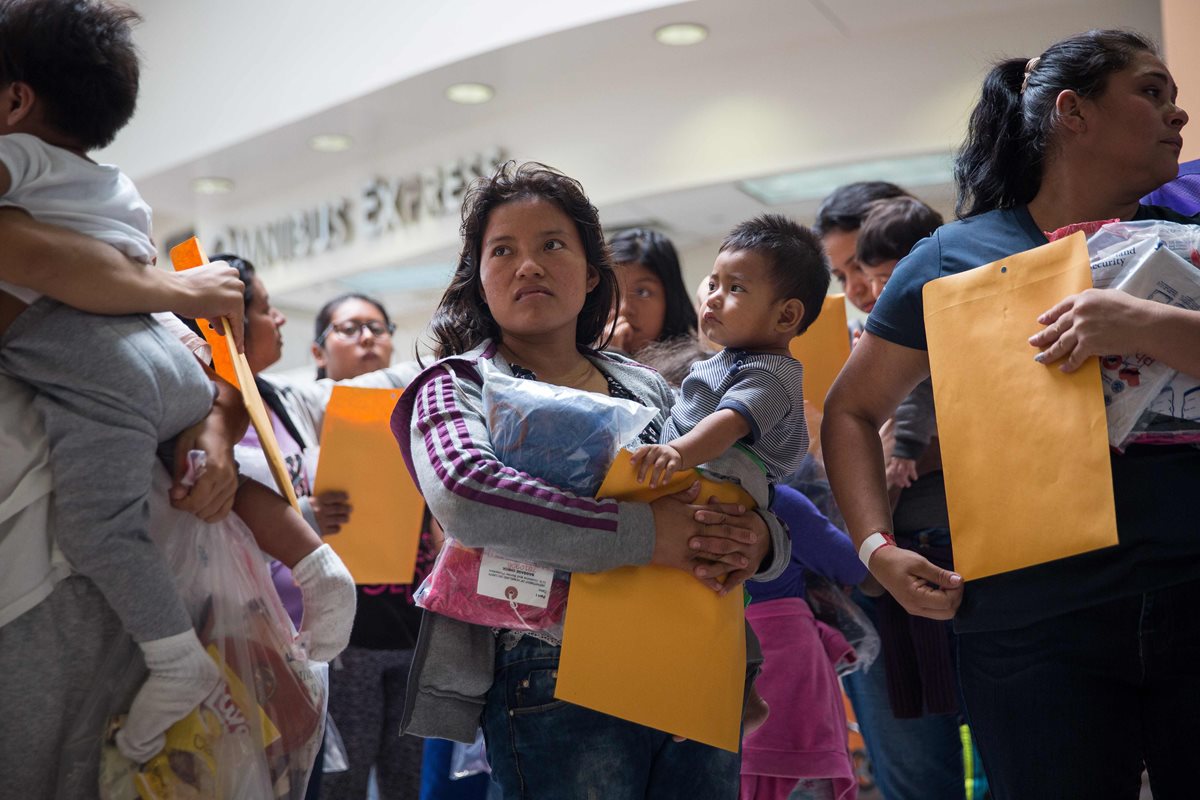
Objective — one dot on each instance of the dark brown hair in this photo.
(1001, 162)
(799, 268)
(892, 227)
(79, 59)
(462, 320)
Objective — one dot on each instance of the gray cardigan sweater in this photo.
(442, 431)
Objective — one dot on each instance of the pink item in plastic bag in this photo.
(1088, 229)
(452, 590)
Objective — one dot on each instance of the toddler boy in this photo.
(766, 286)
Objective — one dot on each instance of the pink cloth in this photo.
(761, 787)
(805, 734)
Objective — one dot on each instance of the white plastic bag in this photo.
(256, 736)
(469, 759)
(1145, 399)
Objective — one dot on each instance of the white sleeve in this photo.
(24, 157)
(196, 345)
(312, 396)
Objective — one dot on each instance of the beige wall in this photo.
(1181, 21)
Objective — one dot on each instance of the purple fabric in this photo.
(1181, 194)
(817, 545)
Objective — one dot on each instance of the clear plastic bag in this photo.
(1180, 238)
(831, 605)
(469, 759)
(565, 437)
(256, 736)
(1153, 261)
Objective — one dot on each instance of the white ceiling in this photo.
(655, 133)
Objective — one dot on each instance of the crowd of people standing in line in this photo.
(1104, 642)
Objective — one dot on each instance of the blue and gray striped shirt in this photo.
(764, 388)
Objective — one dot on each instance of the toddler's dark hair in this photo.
(892, 227)
(844, 208)
(798, 265)
(78, 57)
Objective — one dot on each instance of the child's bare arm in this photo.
(278, 529)
(326, 586)
(92, 276)
(714, 434)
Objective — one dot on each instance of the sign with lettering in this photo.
(383, 206)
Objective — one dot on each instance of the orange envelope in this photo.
(225, 356)
(1024, 446)
(653, 645)
(823, 350)
(359, 456)
(186, 255)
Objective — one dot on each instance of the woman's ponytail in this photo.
(996, 167)
(1002, 160)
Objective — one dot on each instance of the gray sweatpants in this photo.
(110, 390)
(52, 708)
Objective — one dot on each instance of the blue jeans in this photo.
(911, 759)
(546, 749)
(1074, 705)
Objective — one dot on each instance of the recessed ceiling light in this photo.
(330, 142)
(681, 34)
(470, 93)
(212, 185)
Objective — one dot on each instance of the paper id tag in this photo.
(514, 581)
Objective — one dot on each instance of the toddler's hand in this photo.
(901, 472)
(660, 461)
(212, 291)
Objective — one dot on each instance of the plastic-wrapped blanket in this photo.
(565, 437)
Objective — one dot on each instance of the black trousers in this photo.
(1075, 706)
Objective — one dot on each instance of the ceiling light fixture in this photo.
(930, 169)
(330, 142)
(212, 185)
(681, 34)
(469, 94)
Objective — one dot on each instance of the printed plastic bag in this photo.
(1181, 239)
(834, 607)
(1138, 381)
(255, 737)
(567, 438)
(1146, 401)
(469, 759)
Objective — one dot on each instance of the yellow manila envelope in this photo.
(233, 367)
(680, 666)
(823, 350)
(359, 456)
(1024, 446)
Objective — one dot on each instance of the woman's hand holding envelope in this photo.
(709, 541)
